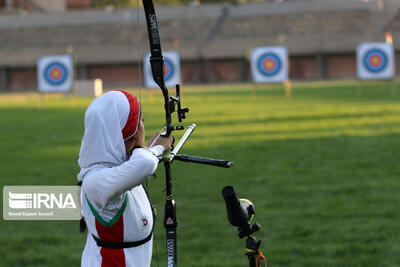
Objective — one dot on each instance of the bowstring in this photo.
(139, 51)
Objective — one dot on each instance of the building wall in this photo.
(22, 80)
(2, 80)
(79, 4)
(49, 5)
(397, 63)
(188, 72)
(227, 71)
(198, 72)
(303, 68)
(340, 66)
(115, 76)
(46, 5)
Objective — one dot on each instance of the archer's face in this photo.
(140, 133)
(137, 139)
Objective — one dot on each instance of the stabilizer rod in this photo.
(207, 161)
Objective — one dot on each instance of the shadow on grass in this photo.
(321, 201)
(325, 201)
(346, 92)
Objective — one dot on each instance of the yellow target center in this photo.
(56, 74)
(375, 61)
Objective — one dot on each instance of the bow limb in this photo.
(157, 59)
(157, 68)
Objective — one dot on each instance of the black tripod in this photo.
(252, 247)
(240, 213)
(252, 250)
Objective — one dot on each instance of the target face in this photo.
(168, 69)
(269, 64)
(375, 61)
(55, 73)
(171, 70)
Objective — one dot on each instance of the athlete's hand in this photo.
(156, 139)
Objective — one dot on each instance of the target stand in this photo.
(269, 64)
(55, 75)
(375, 62)
(172, 70)
(391, 83)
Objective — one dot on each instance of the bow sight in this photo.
(174, 101)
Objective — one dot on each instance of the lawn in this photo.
(321, 168)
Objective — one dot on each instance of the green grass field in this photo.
(321, 167)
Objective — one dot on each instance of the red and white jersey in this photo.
(116, 208)
(114, 203)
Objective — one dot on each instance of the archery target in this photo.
(169, 69)
(55, 73)
(375, 61)
(172, 73)
(269, 64)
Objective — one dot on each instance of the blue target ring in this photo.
(269, 64)
(55, 73)
(375, 60)
(169, 69)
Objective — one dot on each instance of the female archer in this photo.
(114, 164)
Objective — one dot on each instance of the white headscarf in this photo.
(102, 143)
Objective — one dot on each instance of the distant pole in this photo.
(4, 80)
(320, 66)
(83, 72)
(243, 70)
(71, 51)
(72, 93)
(397, 63)
(288, 88)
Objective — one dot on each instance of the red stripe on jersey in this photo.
(112, 257)
(115, 233)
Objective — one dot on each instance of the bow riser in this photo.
(170, 103)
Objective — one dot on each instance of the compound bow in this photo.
(170, 104)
